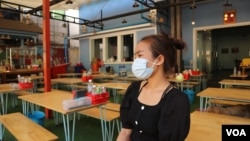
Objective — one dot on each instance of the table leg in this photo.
(1, 131)
(103, 123)
(201, 103)
(66, 124)
(4, 103)
(24, 106)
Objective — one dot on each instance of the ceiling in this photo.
(59, 6)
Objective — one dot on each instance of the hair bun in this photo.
(178, 43)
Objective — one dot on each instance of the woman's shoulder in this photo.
(177, 96)
(133, 88)
(136, 84)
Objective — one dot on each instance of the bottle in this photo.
(235, 71)
(94, 92)
(90, 85)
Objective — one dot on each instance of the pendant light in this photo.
(68, 2)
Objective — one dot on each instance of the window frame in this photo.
(120, 45)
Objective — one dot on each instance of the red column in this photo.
(46, 51)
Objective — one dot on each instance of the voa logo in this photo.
(236, 132)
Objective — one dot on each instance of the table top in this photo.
(128, 78)
(53, 100)
(67, 80)
(30, 132)
(34, 77)
(69, 74)
(207, 126)
(235, 82)
(239, 76)
(104, 75)
(115, 85)
(7, 87)
(228, 94)
(21, 71)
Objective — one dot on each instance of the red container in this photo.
(186, 76)
(99, 98)
(25, 85)
(195, 72)
(86, 78)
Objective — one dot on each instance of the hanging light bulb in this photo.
(192, 7)
(193, 22)
(135, 4)
(124, 21)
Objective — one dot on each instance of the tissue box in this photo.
(75, 103)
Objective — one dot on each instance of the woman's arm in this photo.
(124, 135)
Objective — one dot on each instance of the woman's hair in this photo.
(163, 44)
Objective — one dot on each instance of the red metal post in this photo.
(46, 51)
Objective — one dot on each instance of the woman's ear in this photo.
(160, 60)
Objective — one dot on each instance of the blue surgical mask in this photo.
(140, 69)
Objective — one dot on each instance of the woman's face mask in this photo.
(140, 69)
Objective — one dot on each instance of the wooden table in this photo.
(54, 100)
(240, 95)
(35, 79)
(242, 76)
(5, 89)
(207, 126)
(229, 82)
(115, 86)
(178, 82)
(199, 78)
(68, 81)
(71, 75)
(128, 79)
(10, 76)
(104, 76)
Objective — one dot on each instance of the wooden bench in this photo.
(112, 106)
(109, 116)
(225, 102)
(24, 129)
(121, 92)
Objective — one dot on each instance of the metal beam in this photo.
(40, 8)
(145, 10)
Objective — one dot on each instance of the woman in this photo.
(152, 109)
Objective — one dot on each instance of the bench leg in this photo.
(1, 131)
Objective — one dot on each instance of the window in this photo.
(98, 48)
(128, 47)
(112, 48)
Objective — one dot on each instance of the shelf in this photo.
(21, 57)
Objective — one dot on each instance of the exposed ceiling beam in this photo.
(40, 8)
(145, 10)
(65, 18)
